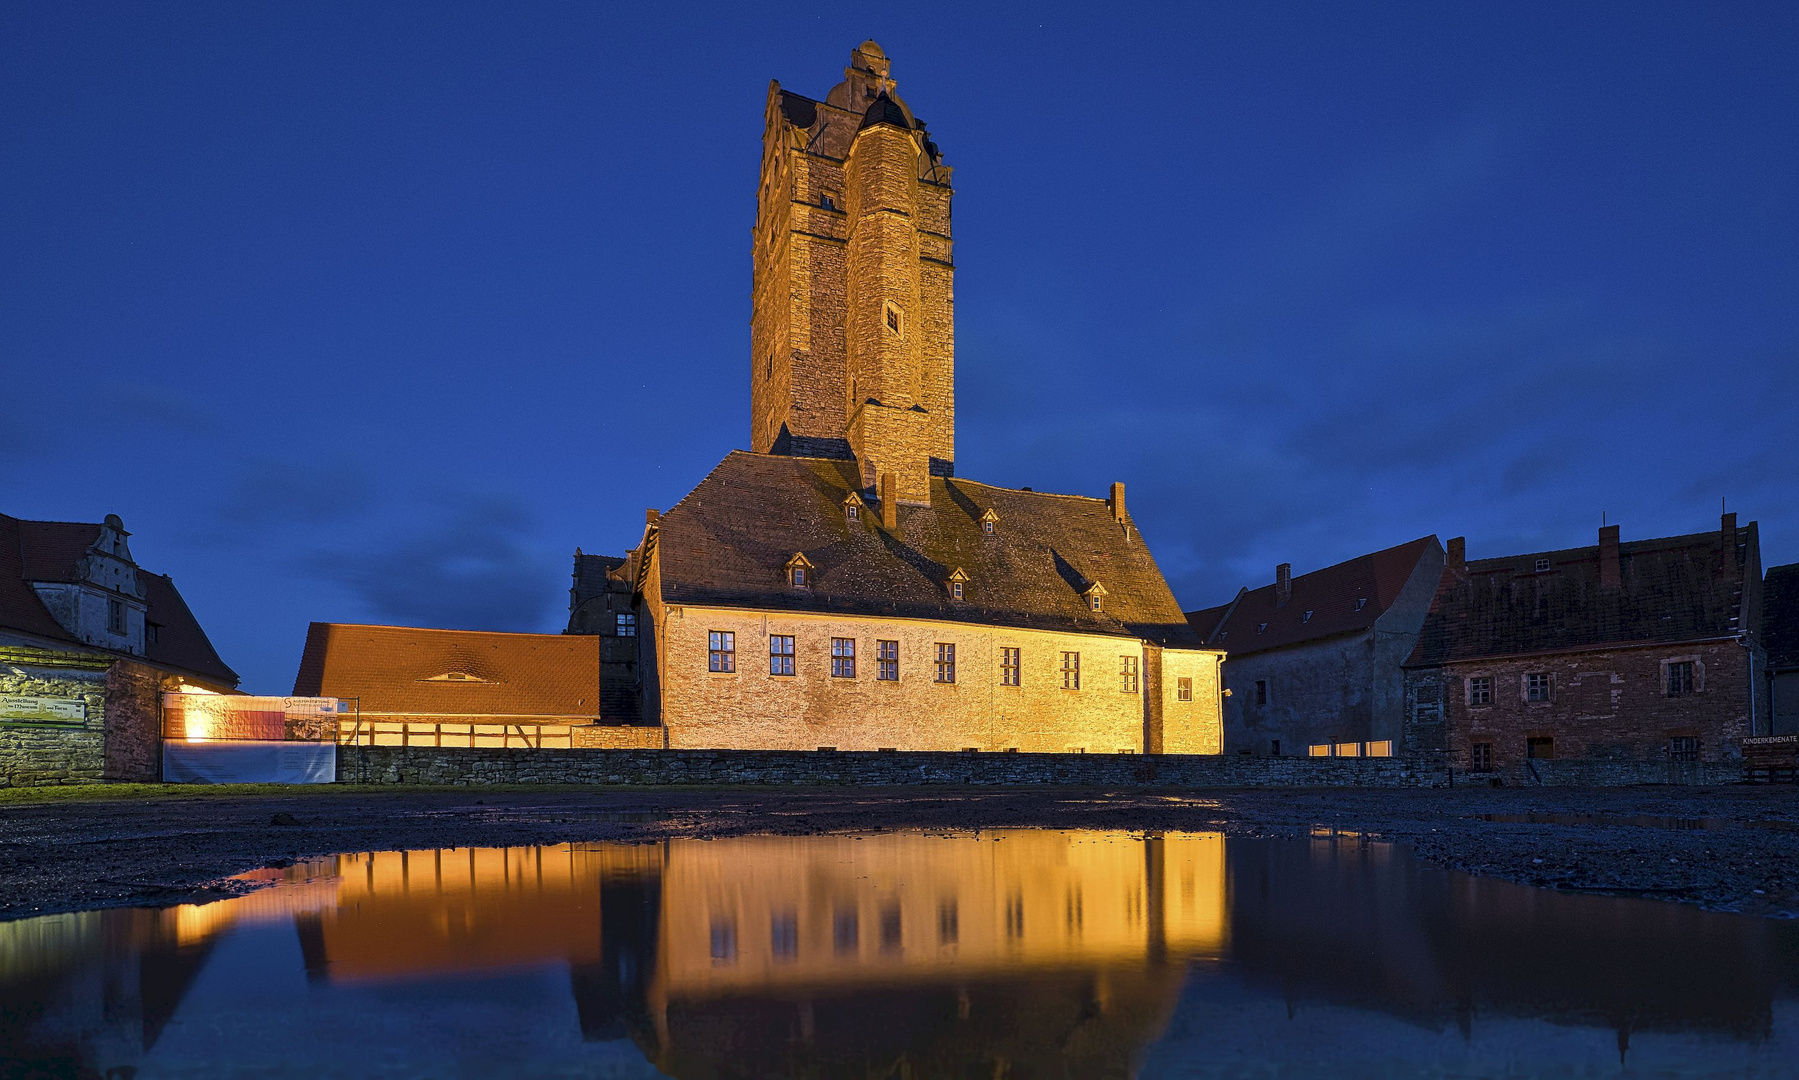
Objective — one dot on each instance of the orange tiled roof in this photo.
(401, 669)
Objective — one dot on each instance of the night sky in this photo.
(374, 312)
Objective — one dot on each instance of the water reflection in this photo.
(1018, 953)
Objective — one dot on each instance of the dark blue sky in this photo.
(374, 312)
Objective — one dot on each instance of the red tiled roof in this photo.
(20, 608)
(1676, 588)
(180, 642)
(393, 669)
(1340, 599)
(53, 550)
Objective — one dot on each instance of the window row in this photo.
(721, 657)
(1678, 679)
(1483, 756)
(1372, 748)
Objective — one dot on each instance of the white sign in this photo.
(54, 710)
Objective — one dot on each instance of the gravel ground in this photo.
(1730, 848)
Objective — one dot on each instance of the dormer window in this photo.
(799, 570)
(1095, 594)
(1361, 602)
(957, 579)
(1307, 617)
(853, 512)
(1261, 627)
(896, 319)
(988, 521)
(852, 507)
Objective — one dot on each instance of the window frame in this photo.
(1478, 691)
(1680, 678)
(1542, 691)
(843, 658)
(1129, 677)
(1011, 666)
(781, 649)
(624, 624)
(721, 652)
(1481, 756)
(946, 663)
(1183, 688)
(1071, 670)
(887, 660)
(1261, 691)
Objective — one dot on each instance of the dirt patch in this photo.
(154, 847)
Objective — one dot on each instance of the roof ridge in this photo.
(1668, 542)
(446, 629)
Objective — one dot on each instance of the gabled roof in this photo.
(397, 669)
(1340, 599)
(727, 542)
(1676, 588)
(52, 551)
(1780, 618)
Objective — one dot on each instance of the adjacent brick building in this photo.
(600, 602)
(1314, 663)
(1644, 652)
(1780, 635)
(89, 640)
(839, 587)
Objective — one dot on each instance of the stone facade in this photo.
(751, 708)
(600, 602)
(422, 765)
(117, 736)
(852, 327)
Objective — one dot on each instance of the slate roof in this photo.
(392, 668)
(884, 110)
(52, 551)
(1780, 618)
(1341, 599)
(1676, 588)
(728, 543)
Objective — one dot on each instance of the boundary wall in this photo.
(849, 768)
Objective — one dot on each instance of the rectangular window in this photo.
(1539, 686)
(1683, 748)
(721, 648)
(1008, 667)
(887, 661)
(1480, 757)
(780, 654)
(1127, 674)
(1381, 748)
(1540, 748)
(946, 662)
(1680, 678)
(115, 617)
(627, 625)
(1183, 689)
(1261, 691)
(784, 935)
(1319, 750)
(843, 658)
(1349, 749)
(1274, 748)
(1071, 671)
(1480, 690)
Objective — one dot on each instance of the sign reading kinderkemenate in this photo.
(25, 708)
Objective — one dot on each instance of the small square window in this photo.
(828, 200)
(780, 654)
(721, 651)
(887, 661)
(1183, 689)
(843, 658)
(1542, 565)
(1008, 667)
(1260, 627)
(1683, 748)
(1680, 678)
(1071, 671)
(1307, 617)
(896, 321)
(946, 662)
(987, 527)
(627, 624)
(1127, 674)
(1539, 686)
(1541, 748)
(1361, 603)
(1480, 690)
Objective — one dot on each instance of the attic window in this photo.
(896, 320)
(853, 512)
(799, 575)
(988, 521)
(799, 570)
(1307, 617)
(1361, 602)
(454, 676)
(957, 579)
(1261, 626)
(955, 589)
(1542, 565)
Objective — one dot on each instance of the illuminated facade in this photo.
(839, 587)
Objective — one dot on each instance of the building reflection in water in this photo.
(1009, 953)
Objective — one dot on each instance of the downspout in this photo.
(1749, 657)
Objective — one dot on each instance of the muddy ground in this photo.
(1732, 848)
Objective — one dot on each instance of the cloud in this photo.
(465, 563)
(275, 493)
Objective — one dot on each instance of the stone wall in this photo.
(36, 753)
(755, 710)
(133, 727)
(430, 765)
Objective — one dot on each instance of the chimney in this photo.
(889, 503)
(1116, 502)
(1608, 557)
(1457, 554)
(1728, 526)
(1283, 583)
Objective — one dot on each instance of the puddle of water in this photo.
(1060, 954)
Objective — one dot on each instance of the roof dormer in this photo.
(799, 571)
(854, 506)
(957, 583)
(989, 521)
(453, 676)
(1095, 594)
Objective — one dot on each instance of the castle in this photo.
(838, 586)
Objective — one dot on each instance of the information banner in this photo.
(29, 709)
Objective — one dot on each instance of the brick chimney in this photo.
(1728, 526)
(1283, 583)
(1457, 554)
(1608, 557)
(889, 503)
(1116, 502)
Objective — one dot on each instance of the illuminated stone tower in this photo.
(853, 326)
